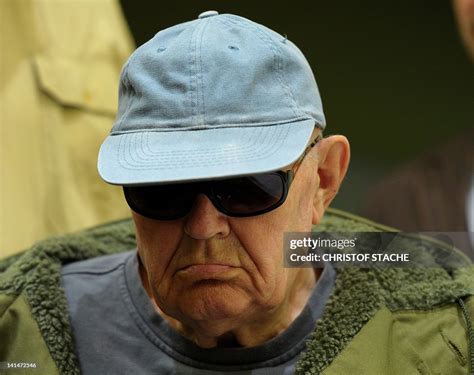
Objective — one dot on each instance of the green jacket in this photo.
(377, 321)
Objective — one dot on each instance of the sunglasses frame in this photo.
(205, 187)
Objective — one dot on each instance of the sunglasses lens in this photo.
(163, 202)
(243, 196)
(247, 196)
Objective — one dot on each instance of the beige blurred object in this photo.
(464, 12)
(60, 64)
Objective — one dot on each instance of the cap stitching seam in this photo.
(267, 40)
(195, 154)
(197, 120)
(280, 75)
(213, 149)
(132, 159)
(196, 158)
(203, 108)
(128, 165)
(274, 53)
(192, 89)
(128, 86)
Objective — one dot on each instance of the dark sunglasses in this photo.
(237, 197)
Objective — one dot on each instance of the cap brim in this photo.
(152, 157)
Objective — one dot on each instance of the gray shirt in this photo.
(117, 330)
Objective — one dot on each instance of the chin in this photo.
(213, 300)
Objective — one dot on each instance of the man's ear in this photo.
(333, 154)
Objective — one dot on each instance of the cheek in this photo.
(262, 236)
(295, 215)
(157, 242)
(303, 206)
(262, 239)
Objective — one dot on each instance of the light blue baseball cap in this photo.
(216, 97)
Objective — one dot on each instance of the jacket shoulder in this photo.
(22, 343)
(32, 303)
(410, 341)
(381, 301)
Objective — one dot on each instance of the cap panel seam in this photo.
(130, 91)
(192, 76)
(201, 76)
(267, 40)
(287, 88)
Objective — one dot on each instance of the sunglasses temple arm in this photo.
(290, 175)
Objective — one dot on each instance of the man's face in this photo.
(210, 266)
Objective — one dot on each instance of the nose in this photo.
(205, 221)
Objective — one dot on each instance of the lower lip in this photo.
(209, 269)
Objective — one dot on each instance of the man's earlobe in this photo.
(333, 160)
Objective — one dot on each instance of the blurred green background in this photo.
(393, 75)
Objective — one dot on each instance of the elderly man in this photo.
(218, 145)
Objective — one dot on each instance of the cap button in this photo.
(208, 13)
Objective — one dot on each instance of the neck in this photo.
(257, 328)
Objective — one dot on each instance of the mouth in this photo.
(203, 270)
